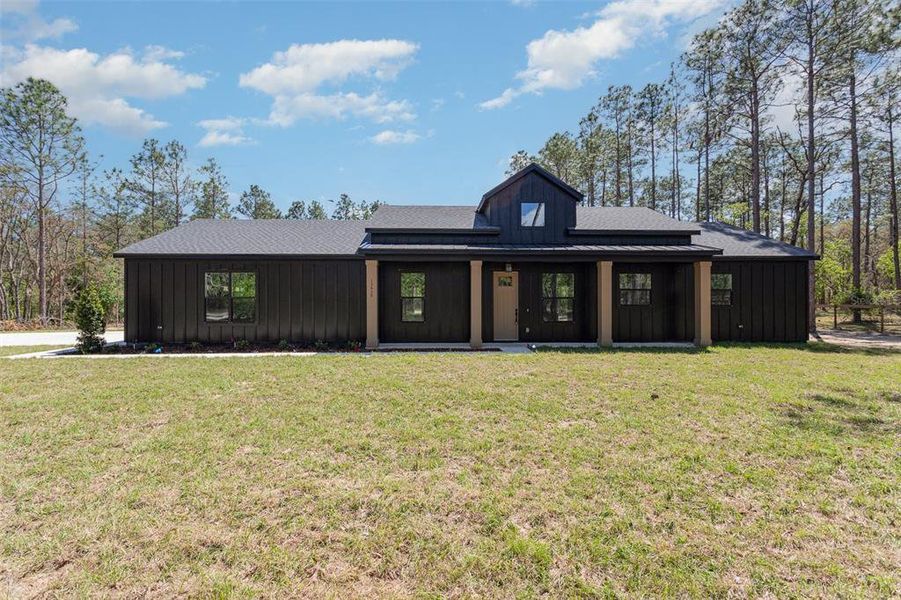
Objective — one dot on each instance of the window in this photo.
(412, 297)
(230, 297)
(721, 289)
(505, 281)
(557, 293)
(635, 289)
(532, 214)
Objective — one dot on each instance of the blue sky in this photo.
(402, 102)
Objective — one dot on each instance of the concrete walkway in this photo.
(858, 339)
(50, 338)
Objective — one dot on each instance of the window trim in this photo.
(540, 211)
(231, 305)
(556, 298)
(649, 290)
(729, 290)
(421, 298)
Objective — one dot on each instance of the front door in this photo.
(506, 306)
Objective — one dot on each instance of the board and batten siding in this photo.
(669, 317)
(532, 327)
(297, 301)
(504, 211)
(769, 302)
(446, 305)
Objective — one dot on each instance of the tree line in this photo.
(62, 217)
(779, 119)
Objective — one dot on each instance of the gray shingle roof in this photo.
(594, 249)
(390, 216)
(743, 243)
(626, 218)
(344, 238)
(269, 237)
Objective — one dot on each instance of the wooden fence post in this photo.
(835, 316)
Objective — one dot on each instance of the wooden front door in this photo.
(506, 306)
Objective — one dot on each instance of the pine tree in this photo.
(212, 203)
(256, 203)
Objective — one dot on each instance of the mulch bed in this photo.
(255, 348)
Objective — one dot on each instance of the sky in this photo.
(402, 102)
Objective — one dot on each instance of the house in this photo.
(529, 263)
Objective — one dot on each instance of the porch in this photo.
(579, 301)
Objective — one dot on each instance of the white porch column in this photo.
(372, 304)
(605, 303)
(475, 304)
(702, 303)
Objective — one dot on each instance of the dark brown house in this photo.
(528, 264)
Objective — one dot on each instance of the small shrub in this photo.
(353, 346)
(284, 345)
(242, 345)
(321, 346)
(856, 297)
(153, 349)
(90, 318)
(195, 346)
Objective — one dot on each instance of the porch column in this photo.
(475, 304)
(372, 304)
(605, 303)
(702, 303)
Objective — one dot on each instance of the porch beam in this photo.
(475, 304)
(372, 304)
(702, 303)
(605, 303)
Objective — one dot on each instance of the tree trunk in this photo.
(755, 160)
(42, 257)
(653, 169)
(855, 191)
(766, 196)
(811, 169)
(698, 191)
(893, 197)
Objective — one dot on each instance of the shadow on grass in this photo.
(836, 413)
(816, 347)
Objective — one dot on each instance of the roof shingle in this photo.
(264, 237)
(743, 243)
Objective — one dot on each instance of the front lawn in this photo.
(744, 471)
(13, 350)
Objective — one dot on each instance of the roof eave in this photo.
(577, 231)
(436, 231)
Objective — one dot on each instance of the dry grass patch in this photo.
(742, 471)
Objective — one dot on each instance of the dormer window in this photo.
(532, 214)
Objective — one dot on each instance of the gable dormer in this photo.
(531, 207)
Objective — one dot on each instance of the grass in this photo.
(736, 471)
(13, 350)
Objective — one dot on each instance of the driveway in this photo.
(858, 339)
(50, 338)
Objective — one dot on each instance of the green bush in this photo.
(857, 296)
(90, 318)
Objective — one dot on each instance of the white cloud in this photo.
(390, 136)
(565, 59)
(228, 131)
(97, 86)
(287, 109)
(160, 53)
(24, 23)
(503, 100)
(295, 78)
